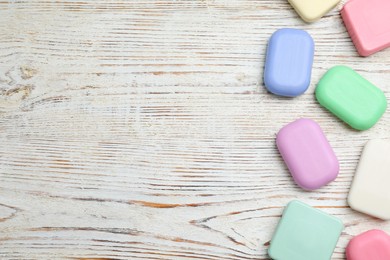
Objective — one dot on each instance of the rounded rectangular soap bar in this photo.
(289, 62)
(370, 189)
(368, 24)
(313, 10)
(307, 154)
(305, 233)
(351, 97)
(370, 245)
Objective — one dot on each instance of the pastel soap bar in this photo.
(370, 189)
(313, 10)
(373, 244)
(307, 154)
(289, 62)
(305, 233)
(351, 97)
(368, 24)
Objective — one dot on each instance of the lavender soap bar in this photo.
(289, 62)
(307, 154)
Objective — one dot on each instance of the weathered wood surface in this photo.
(141, 129)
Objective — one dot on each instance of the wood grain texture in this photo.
(141, 129)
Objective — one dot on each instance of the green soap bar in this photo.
(305, 233)
(351, 97)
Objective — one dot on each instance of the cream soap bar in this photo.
(370, 190)
(313, 10)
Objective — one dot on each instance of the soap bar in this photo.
(373, 244)
(307, 154)
(350, 97)
(368, 24)
(313, 10)
(305, 233)
(289, 62)
(370, 190)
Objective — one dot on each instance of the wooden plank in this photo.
(141, 129)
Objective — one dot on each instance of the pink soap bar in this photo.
(307, 154)
(368, 24)
(370, 245)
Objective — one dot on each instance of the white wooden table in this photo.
(141, 129)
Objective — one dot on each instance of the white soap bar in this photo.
(370, 190)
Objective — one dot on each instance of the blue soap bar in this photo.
(289, 62)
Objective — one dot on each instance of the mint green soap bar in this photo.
(305, 233)
(351, 97)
